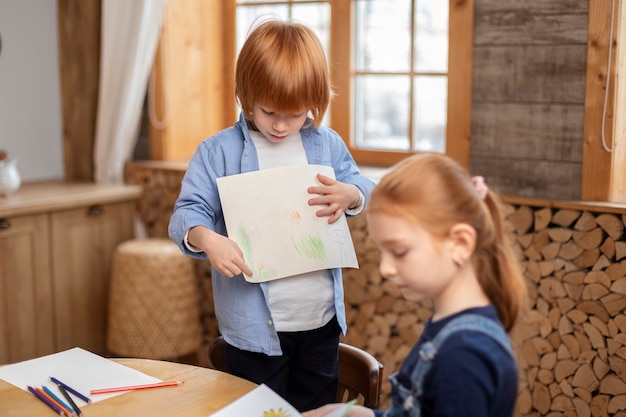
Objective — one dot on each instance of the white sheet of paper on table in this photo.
(78, 368)
(264, 402)
(268, 215)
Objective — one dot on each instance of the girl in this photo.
(441, 237)
(284, 333)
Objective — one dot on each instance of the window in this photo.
(389, 67)
(400, 70)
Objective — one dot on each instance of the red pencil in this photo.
(135, 387)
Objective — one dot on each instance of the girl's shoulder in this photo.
(479, 322)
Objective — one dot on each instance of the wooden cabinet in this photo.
(56, 245)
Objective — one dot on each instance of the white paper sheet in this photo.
(78, 368)
(268, 215)
(263, 402)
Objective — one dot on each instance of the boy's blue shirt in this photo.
(241, 307)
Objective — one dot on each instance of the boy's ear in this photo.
(462, 237)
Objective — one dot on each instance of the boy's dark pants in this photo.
(305, 375)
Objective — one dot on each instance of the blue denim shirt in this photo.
(241, 307)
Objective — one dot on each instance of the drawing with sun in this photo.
(278, 413)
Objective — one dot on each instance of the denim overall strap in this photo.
(428, 351)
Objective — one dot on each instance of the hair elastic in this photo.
(481, 187)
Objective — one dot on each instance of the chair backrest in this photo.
(217, 354)
(360, 374)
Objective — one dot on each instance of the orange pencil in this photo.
(55, 402)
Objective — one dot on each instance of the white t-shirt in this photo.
(304, 301)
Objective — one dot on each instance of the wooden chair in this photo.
(360, 374)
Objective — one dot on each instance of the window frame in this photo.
(460, 41)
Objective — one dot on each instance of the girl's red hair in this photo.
(434, 192)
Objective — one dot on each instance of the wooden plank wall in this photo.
(528, 96)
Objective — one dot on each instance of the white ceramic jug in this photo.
(10, 179)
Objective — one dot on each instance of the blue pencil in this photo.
(45, 400)
(57, 399)
(72, 390)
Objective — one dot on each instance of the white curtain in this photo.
(129, 39)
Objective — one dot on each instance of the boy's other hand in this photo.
(335, 195)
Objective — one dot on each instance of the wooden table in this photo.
(204, 392)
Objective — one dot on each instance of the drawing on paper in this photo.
(267, 214)
(306, 244)
(278, 413)
(309, 246)
(260, 274)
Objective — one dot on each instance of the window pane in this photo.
(383, 35)
(314, 15)
(431, 40)
(240, 2)
(317, 17)
(252, 15)
(429, 123)
(382, 112)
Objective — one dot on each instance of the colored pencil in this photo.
(69, 399)
(135, 387)
(58, 400)
(65, 411)
(70, 389)
(45, 400)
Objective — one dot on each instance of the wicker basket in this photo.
(154, 301)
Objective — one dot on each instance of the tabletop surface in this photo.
(204, 392)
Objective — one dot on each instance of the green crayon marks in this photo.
(259, 271)
(310, 246)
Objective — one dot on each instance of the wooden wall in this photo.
(528, 98)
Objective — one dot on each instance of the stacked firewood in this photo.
(572, 342)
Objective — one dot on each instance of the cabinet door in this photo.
(26, 325)
(83, 243)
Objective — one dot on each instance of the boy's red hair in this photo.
(282, 65)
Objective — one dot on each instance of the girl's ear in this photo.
(462, 238)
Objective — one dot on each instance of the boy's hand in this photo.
(335, 195)
(223, 253)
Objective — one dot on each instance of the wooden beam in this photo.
(229, 104)
(341, 70)
(617, 192)
(79, 59)
(597, 166)
(189, 80)
(459, 118)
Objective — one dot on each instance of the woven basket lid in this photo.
(154, 301)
